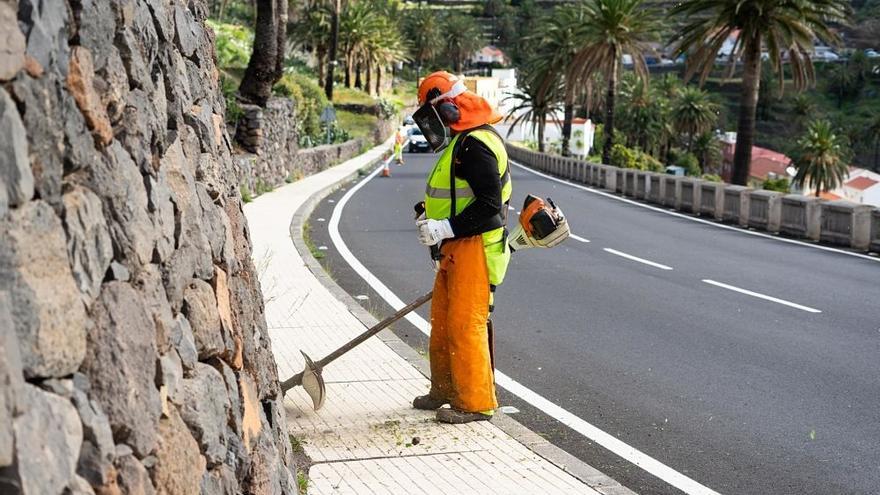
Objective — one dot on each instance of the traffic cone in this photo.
(386, 170)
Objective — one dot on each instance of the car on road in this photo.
(871, 53)
(823, 53)
(417, 141)
(409, 120)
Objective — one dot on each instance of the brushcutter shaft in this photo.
(296, 379)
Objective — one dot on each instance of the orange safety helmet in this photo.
(470, 110)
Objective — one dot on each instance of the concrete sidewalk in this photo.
(367, 438)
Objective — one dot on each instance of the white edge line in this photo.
(695, 219)
(578, 238)
(565, 417)
(636, 258)
(762, 296)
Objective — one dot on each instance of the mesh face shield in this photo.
(431, 125)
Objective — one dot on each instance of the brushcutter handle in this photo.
(435, 249)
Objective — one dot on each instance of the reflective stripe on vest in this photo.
(438, 199)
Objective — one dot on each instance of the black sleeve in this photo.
(477, 165)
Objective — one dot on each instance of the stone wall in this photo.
(269, 156)
(134, 356)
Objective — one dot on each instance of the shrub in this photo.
(623, 157)
(687, 161)
(234, 44)
(712, 178)
(309, 99)
(780, 184)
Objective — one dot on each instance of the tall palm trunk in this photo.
(348, 68)
(745, 129)
(357, 76)
(267, 59)
(379, 80)
(541, 133)
(369, 77)
(331, 57)
(567, 118)
(609, 109)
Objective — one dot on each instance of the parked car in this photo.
(824, 54)
(417, 141)
(871, 53)
(409, 120)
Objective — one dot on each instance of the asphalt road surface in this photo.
(748, 364)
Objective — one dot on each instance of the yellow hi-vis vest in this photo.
(438, 199)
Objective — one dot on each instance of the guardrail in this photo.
(841, 223)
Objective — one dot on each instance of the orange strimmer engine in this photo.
(541, 224)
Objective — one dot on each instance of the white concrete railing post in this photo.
(736, 205)
(765, 210)
(688, 197)
(800, 216)
(712, 199)
(846, 223)
(875, 230)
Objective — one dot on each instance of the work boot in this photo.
(456, 417)
(428, 403)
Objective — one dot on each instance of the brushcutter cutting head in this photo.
(541, 224)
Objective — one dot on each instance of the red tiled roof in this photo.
(861, 183)
(829, 196)
(765, 162)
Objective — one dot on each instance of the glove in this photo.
(431, 232)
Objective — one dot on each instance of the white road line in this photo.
(578, 238)
(608, 441)
(636, 258)
(762, 296)
(695, 219)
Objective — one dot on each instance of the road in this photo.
(748, 364)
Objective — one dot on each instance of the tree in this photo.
(707, 149)
(644, 113)
(821, 161)
(694, 113)
(615, 28)
(532, 105)
(266, 64)
(424, 34)
(557, 39)
(788, 26)
(463, 38)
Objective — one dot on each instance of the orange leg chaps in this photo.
(461, 370)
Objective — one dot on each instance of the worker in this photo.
(399, 139)
(465, 214)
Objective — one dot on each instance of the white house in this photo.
(488, 55)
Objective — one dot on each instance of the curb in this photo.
(587, 474)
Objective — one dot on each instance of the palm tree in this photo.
(557, 39)
(615, 28)
(694, 113)
(821, 162)
(788, 26)
(266, 65)
(645, 113)
(424, 34)
(707, 149)
(532, 105)
(463, 37)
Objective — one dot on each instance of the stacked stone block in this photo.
(134, 356)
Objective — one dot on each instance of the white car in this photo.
(417, 141)
(825, 55)
(871, 53)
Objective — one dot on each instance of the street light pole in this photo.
(334, 39)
